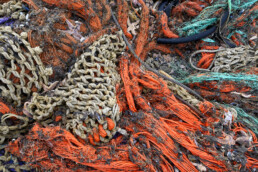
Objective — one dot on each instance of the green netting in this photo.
(206, 17)
(249, 80)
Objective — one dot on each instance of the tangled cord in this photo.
(198, 36)
(9, 162)
(12, 130)
(181, 138)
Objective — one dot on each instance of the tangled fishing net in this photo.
(8, 162)
(128, 85)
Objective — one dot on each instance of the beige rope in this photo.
(5, 166)
(183, 93)
(12, 9)
(12, 130)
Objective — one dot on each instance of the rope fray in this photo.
(54, 144)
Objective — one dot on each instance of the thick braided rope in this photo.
(183, 93)
(18, 60)
(88, 91)
(12, 9)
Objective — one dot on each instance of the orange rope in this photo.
(123, 16)
(207, 58)
(4, 108)
(163, 19)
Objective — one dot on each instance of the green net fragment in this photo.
(208, 18)
(248, 120)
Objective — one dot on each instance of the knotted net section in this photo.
(88, 92)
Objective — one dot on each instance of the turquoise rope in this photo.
(249, 80)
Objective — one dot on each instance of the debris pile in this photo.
(128, 85)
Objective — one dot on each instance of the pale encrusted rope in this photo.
(233, 59)
(19, 60)
(89, 91)
(183, 93)
(42, 107)
(12, 9)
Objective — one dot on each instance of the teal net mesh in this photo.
(207, 18)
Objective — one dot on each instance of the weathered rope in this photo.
(9, 162)
(14, 129)
(12, 9)
(148, 67)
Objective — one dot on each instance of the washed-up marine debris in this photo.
(11, 127)
(181, 92)
(88, 92)
(236, 90)
(21, 70)
(164, 126)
